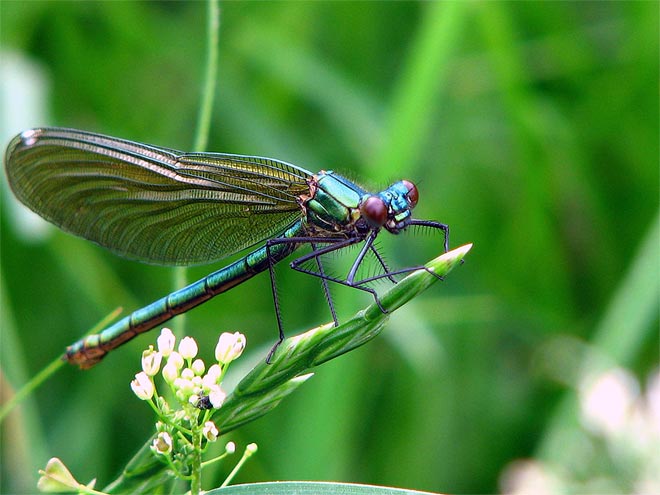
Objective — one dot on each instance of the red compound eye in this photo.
(413, 193)
(374, 210)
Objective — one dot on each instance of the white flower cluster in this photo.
(196, 388)
(184, 433)
(185, 374)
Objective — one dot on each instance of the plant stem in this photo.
(247, 453)
(203, 121)
(196, 464)
(215, 459)
(210, 77)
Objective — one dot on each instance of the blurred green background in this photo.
(530, 128)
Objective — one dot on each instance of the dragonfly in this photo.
(163, 206)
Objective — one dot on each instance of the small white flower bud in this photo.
(187, 385)
(151, 361)
(230, 448)
(188, 348)
(212, 376)
(176, 360)
(230, 346)
(166, 342)
(170, 372)
(198, 367)
(142, 386)
(210, 431)
(217, 396)
(162, 444)
(208, 382)
(251, 448)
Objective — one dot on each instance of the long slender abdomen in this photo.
(91, 349)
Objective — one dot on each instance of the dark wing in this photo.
(153, 204)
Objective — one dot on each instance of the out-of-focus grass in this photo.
(531, 128)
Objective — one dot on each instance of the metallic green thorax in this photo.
(334, 202)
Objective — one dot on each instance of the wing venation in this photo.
(149, 203)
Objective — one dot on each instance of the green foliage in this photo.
(310, 488)
(530, 128)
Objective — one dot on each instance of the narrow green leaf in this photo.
(310, 488)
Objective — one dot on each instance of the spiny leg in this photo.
(433, 225)
(386, 269)
(326, 288)
(337, 244)
(276, 301)
(360, 257)
(398, 272)
(271, 270)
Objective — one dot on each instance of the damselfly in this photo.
(163, 206)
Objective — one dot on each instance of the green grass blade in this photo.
(310, 488)
(416, 96)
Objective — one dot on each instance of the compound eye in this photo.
(413, 193)
(374, 210)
